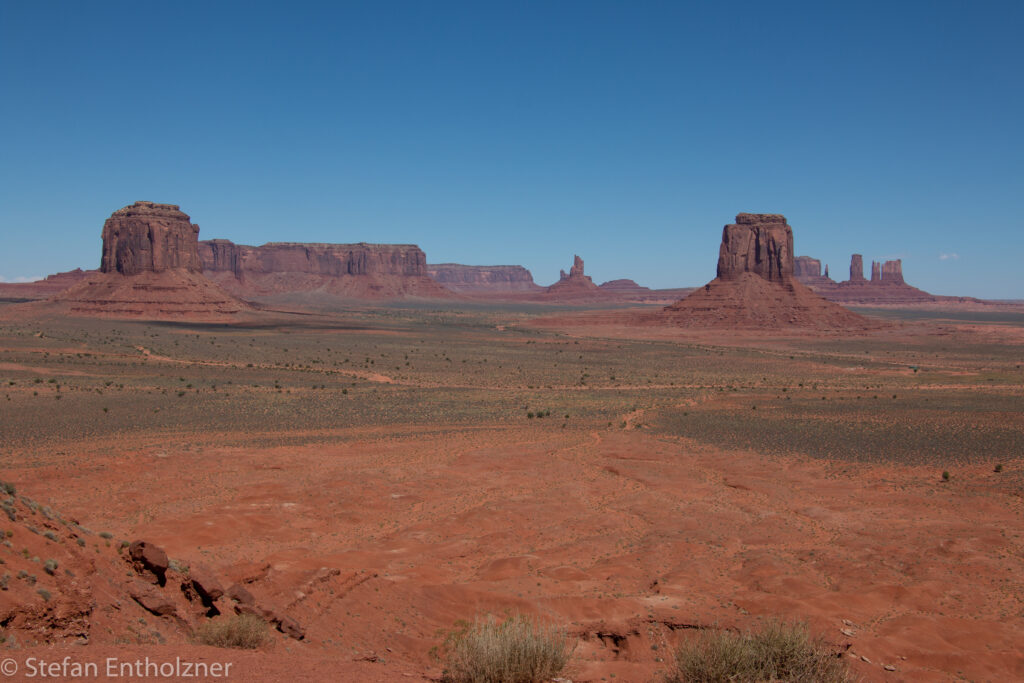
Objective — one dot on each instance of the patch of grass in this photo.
(243, 632)
(517, 650)
(777, 651)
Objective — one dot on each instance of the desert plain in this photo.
(378, 473)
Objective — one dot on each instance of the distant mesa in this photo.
(756, 286)
(353, 271)
(149, 268)
(886, 285)
(42, 289)
(482, 279)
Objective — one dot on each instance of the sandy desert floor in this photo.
(379, 475)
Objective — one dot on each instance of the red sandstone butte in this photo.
(575, 286)
(150, 268)
(756, 287)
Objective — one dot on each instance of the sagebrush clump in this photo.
(777, 651)
(519, 649)
(244, 632)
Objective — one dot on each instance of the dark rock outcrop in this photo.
(149, 558)
(359, 271)
(482, 279)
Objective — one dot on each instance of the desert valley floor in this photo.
(378, 474)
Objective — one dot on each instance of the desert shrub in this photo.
(945, 475)
(998, 468)
(244, 632)
(50, 566)
(516, 650)
(775, 652)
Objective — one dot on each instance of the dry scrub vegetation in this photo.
(243, 632)
(517, 650)
(776, 652)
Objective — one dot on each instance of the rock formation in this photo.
(356, 271)
(886, 286)
(892, 272)
(147, 237)
(808, 271)
(756, 287)
(41, 289)
(150, 267)
(805, 266)
(758, 243)
(482, 279)
(857, 268)
(575, 285)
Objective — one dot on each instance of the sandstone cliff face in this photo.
(755, 287)
(149, 237)
(758, 243)
(876, 272)
(805, 266)
(482, 279)
(150, 268)
(857, 268)
(892, 272)
(362, 271)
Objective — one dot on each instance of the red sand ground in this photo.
(376, 540)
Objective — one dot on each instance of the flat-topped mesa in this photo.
(149, 237)
(892, 272)
(758, 243)
(359, 270)
(805, 266)
(482, 279)
(857, 268)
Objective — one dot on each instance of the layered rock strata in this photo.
(150, 267)
(482, 279)
(756, 287)
(357, 271)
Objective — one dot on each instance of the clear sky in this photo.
(525, 132)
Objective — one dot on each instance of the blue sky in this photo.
(525, 132)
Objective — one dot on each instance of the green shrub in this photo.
(517, 650)
(244, 632)
(775, 652)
